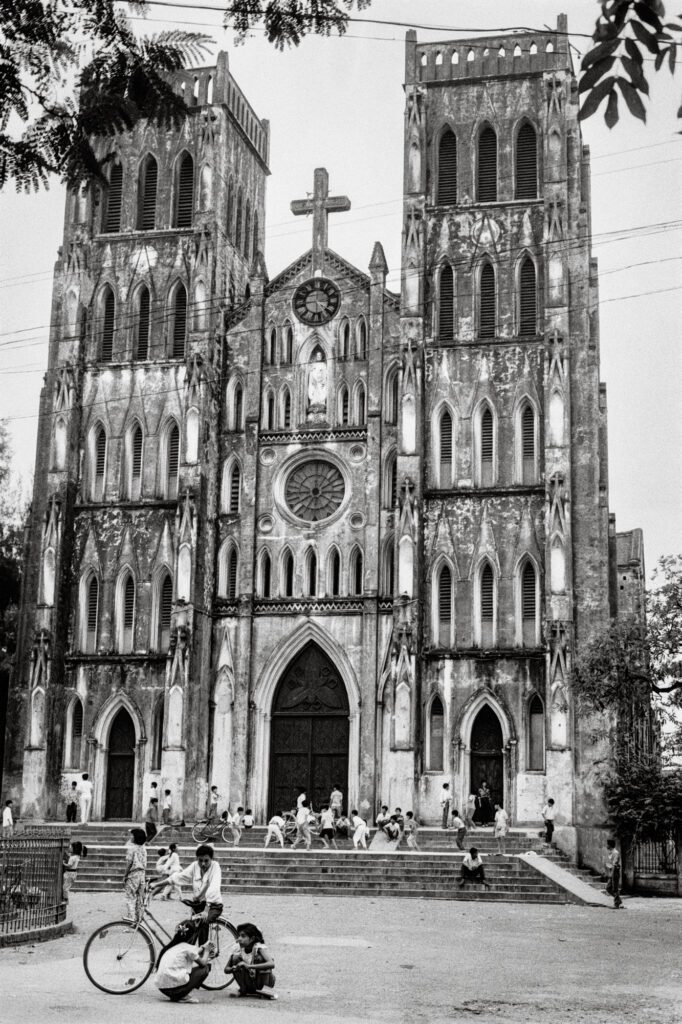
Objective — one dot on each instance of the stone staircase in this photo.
(433, 873)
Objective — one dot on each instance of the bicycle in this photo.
(119, 956)
(208, 830)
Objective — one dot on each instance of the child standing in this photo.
(613, 873)
(168, 865)
(133, 880)
(72, 804)
(251, 963)
(327, 827)
(411, 829)
(359, 826)
(461, 828)
(236, 824)
(303, 826)
(470, 811)
(213, 800)
(248, 820)
(73, 858)
(167, 812)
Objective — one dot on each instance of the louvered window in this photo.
(361, 405)
(255, 237)
(487, 448)
(390, 483)
(526, 163)
(146, 199)
(345, 340)
(270, 411)
(436, 736)
(344, 405)
(446, 304)
(528, 444)
(444, 606)
(266, 575)
(91, 620)
(232, 575)
(487, 605)
(288, 344)
(272, 347)
(361, 348)
(287, 411)
(184, 206)
(486, 321)
(288, 573)
(112, 222)
(77, 723)
(487, 166)
(165, 607)
(108, 316)
(527, 298)
(238, 224)
(143, 322)
(392, 399)
(528, 605)
(536, 735)
(247, 229)
(335, 573)
(173, 462)
(230, 209)
(447, 169)
(356, 574)
(179, 322)
(135, 484)
(235, 485)
(238, 407)
(100, 464)
(127, 615)
(446, 449)
(157, 735)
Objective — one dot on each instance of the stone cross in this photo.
(321, 205)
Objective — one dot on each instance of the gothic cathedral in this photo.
(296, 531)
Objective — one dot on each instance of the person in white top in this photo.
(472, 869)
(275, 830)
(336, 801)
(501, 827)
(302, 796)
(548, 813)
(461, 829)
(167, 807)
(170, 865)
(359, 830)
(84, 790)
(327, 827)
(205, 877)
(213, 800)
(445, 798)
(7, 820)
(182, 968)
(303, 826)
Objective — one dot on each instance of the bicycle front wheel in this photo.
(201, 833)
(118, 958)
(228, 835)
(223, 935)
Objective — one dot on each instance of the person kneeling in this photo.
(251, 963)
(472, 869)
(182, 968)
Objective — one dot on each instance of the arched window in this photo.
(230, 580)
(59, 444)
(287, 574)
(238, 223)
(271, 348)
(114, 194)
(527, 298)
(334, 573)
(286, 409)
(311, 574)
(74, 730)
(528, 605)
(247, 230)
(446, 304)
(361, 339)
(143, 323)
(388, 569)
(108, 307)
(157, 734)
(487, 166)
(179, 331)
(343, 404)
(528, 471)
(356, 573)
(90, 612)
(235, 490)
(206, 187)
(201, 306)
(49, 577)
(390, 481)
(436, 736)
(146, 195)
(230, 209)
(360, 405)
(256, 246)
(526, 163)
(125, 613)
(487, 448)
(238, 407)
(445, 446)
(287, 344)
(133, 464)
(184, 192)
(192, 435)
(269, 411)
(98, 464)
(536, 735)
(487, 605)
(265, 575)
(486, 311)
(165, 606)
(392, 397)
(172, 461)
(447, 169)
(445, 606)
(345, 340)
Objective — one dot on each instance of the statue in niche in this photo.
(317, 383)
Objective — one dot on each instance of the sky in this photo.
(338, 103)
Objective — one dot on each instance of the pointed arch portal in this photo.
(310, 731)
(487, 758)
(120, 768)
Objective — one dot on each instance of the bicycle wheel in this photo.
(223, 935)
(201, 832)
(118, 957)
(228, 835)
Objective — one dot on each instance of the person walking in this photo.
(472, 869)
(84, 790)
(151, 820)
(7, 820)
(303, 826)
(70, 868)
(411, 829)
(133, 880)
(501, 828)
(327, 827)
(275, 831)
(613, 872)
(360, 830)
(445, 798)
(72, 804)
(548, 817)
(336, 801)
(461, 829)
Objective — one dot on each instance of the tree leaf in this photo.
(598, 52)
(611, 115)
(645, 37)
(672, 53)
(594, 98)
(633, 99)
(647, 15)
(635, 72)
(593, 74)
(633, 51)
(660, 57)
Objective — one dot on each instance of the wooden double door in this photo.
(121, 768)
(487, 758)
(309, 732)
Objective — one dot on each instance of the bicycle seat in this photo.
(188, 903)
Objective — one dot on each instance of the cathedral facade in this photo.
(302, 531)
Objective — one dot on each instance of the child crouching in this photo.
(251, 963)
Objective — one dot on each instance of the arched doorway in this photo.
(487, 759)
(120, 767)
(309, 731)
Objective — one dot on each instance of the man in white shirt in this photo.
(359, 830)
(84, 791)
(205, 877)
(458, 824)
(445, 803)
(7, 820)
(472, 869)
(303, 826)
(275, 830)
(183, 968)
(336, 801)
(327, 827)
(548, 816)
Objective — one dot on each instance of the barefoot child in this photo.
(251, 963)
(133, 880)
(76, 851)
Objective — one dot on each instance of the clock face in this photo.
(316, 301)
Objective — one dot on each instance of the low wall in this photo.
(591, 843)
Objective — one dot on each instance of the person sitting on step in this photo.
(251, 963)
(472, 869)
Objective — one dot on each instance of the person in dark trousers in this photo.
(152, 819)
(72, 804)
(548, 817)
(613, 873)
(182, 968)
(472, 869)
(445, 798)
(251, 963)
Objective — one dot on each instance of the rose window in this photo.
(314, 491)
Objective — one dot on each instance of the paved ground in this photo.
(342, 960)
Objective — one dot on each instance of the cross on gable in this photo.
(321, 205)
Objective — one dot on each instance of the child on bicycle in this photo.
(251, 963)
(205, 877)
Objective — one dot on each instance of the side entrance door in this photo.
(121, 768)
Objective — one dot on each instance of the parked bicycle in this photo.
(119, 956)
(211, 829)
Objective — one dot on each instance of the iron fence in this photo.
(31, 882)
(656, 857)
